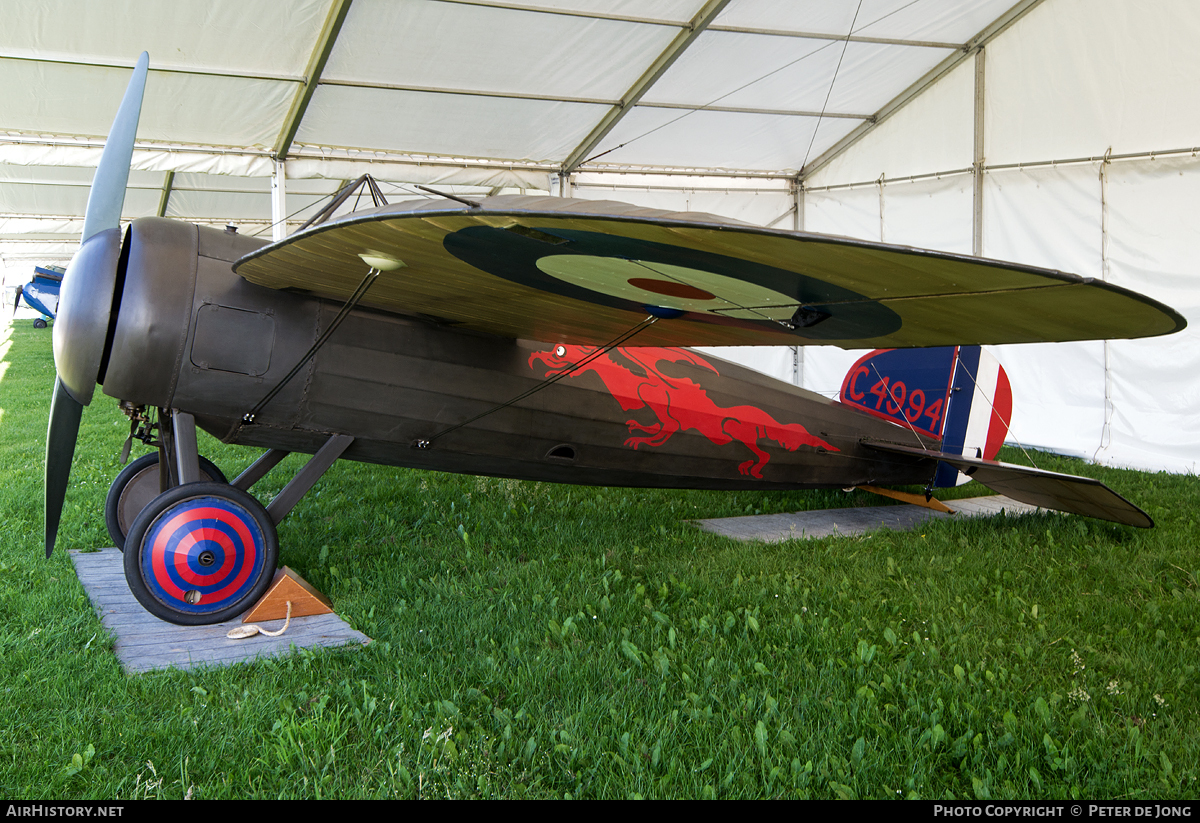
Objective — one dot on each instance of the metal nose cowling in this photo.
(84, 310)
(86, 301)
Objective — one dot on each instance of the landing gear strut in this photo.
(138, 484)
(201, 550)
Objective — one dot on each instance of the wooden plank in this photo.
(145, 643)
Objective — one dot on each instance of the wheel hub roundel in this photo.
(203, 554)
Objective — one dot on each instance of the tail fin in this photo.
(959, 394)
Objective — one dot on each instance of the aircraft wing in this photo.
(1050, 490)
(584, 272)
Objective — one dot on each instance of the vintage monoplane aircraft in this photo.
(41, 294)
(528, 337)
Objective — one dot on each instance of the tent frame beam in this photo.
(593, 101)
(989, 33)
(305, 152)
(196, 70)
(1031, 164)
(312, 76)
(678, 24)
(643, 84)
(839, 38)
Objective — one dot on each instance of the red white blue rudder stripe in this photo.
(959, 394)
(978, 411)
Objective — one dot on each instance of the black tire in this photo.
(135, 487)
(202, 530)
(39, 323)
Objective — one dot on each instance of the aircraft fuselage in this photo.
(194, 336)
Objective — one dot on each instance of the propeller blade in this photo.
(17, 299)
(65, 414)
(86, 298)
(112, 174)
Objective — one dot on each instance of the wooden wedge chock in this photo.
(287, 586)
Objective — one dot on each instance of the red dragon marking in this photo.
(678, 403)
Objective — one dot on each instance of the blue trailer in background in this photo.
(41, 293)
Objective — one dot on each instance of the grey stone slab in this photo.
(991, 505)
(145, 643)
(773, 528)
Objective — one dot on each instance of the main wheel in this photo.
(201, 553)
(135, 487)
(39, 323)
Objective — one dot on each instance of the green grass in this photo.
(534, 640)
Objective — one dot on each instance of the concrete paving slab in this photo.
(145, 643)
(773, 528)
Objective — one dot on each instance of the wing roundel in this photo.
(583, 272)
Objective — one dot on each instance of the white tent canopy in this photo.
(1051, 132)
(478, 93)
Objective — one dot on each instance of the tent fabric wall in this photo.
(941, 115)
(1109, 76)
(1050, 217)
(1155, 384)
(759, 202)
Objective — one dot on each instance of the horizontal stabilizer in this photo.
(1049, 490)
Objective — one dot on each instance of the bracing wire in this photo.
(829, 91)
(426, 442)
(733, 303)
(992, 408)
(900, 405)
(716, 100)
(285, 219)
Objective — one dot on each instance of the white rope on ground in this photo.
(250, 629)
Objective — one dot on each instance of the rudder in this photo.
(958, 394)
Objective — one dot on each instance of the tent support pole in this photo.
(977, 164)
(797, 205)
(278, 202)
